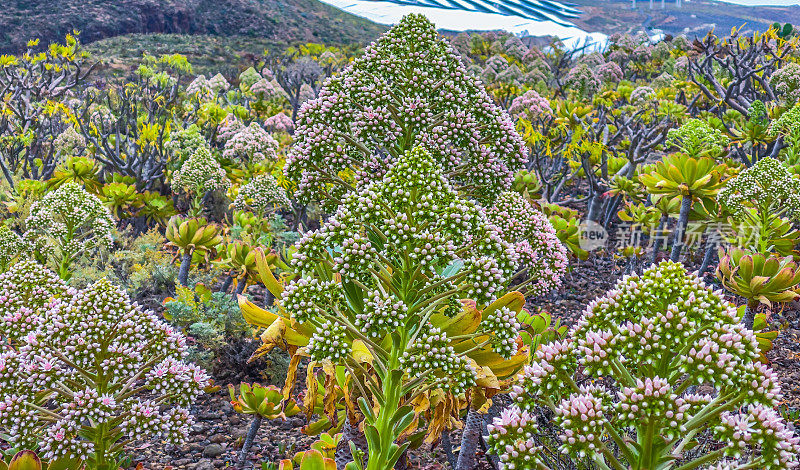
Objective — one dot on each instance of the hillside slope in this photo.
(280, 20)
(692, 18)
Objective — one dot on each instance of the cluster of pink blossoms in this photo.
(530, 105)
(538, 248)
(79, 362)
(409, 88)
(251, 144)
(410, 221)
(643, 345)
(279, 123)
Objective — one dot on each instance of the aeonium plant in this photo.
(409, 88)
(396, 259)
(65, 224)
(199, 175)
(542, 257)
(84, 372)
(643, 347)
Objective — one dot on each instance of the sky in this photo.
(390, 13)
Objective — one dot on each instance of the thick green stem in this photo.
(700, 461)
(392, 386)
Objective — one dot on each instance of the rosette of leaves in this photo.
(86, 372)
(239, 259)
(409, 88)
(121, 198)
(527, 184)
(754, 232)
(194, 238)
(642, 346)
(381, 281)
(566, 223)
(67, 223)
(690, 178)
(199, 175)
(754, 131)
(262, 403)
(155, 207)
(542, 257)
(82, 170)
(760, 278)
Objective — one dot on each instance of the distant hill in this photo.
(276, 20)
(692, 18)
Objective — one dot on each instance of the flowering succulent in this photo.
(200, 174)
(534, 239)
(183, 143)
(514, 47)
(86, 371)
(609, 72)
(228, 127)
(11, 246)
(200, 87)
(279, 123)
(409, 88)
(66, 223)
(218, 83)
(306, 93)
(495, 65)
(69, 142)
(766, 186)
(642, 96)
(786, 83)
(593, 60)
(788, 125)
(530, 105)
(251, 144)
(262, 195)
(664, 80)
(697, 139)
(644, 344)
(398, 255)
(265, 89)
(582, 80)
(248, 78)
